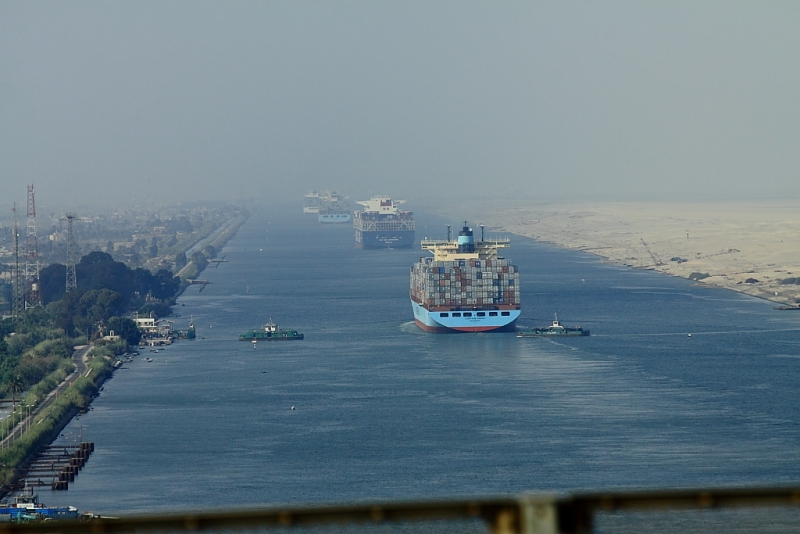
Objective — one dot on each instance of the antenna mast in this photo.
(72, 280)
(18, 305)
(33, 296)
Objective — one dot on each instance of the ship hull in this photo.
(275, 337)
(385, 239)
(333, 218)
(464, 320)
(545, 332)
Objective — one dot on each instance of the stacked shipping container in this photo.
(465, 284)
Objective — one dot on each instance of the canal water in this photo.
(369, 407)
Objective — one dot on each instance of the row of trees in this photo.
(107, 291)
(98, 270)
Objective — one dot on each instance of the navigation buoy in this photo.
(690, 335)
(292, 407)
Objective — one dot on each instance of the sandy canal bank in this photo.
(751, 248)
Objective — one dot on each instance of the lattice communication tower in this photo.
(33, 296)
(18, 305)
(72, 280)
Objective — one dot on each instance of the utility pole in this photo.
(72, 280)
(33, 297)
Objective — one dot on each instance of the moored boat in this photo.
(26, 507)
(270, 332)
(555, 329)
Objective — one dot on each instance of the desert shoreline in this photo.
(751, 248)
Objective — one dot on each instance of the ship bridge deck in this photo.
(448, 250)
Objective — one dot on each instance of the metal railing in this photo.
(527, 514)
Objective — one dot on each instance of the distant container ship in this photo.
(311, 203)
(382, 225)
(333, 209)
(465, 286)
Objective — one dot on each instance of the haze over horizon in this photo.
(176, 101)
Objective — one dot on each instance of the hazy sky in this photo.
(109, 101)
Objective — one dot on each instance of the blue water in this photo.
(386, 411)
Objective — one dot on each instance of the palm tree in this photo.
(16, 386)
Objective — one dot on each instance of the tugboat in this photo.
(555, 329)
(270, 332)
(191, 333)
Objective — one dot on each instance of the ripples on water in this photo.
(385, 411)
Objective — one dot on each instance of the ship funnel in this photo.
(466, 242)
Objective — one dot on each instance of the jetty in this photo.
(55, 466)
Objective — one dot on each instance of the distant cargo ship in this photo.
(382, 225)
(333, 209)
(465, 286)
(311, 203)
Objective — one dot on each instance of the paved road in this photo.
(81, 367)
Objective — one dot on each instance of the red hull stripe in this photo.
(476, 328)
(442, 329)
(430, 328)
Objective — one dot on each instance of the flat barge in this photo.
(270, 332)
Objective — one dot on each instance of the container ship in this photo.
(333, 209)
(465, 286)
(311, 203)
(382, 225)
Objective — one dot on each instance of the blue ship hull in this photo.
(385, 239)
(473, 320)
(334, 218)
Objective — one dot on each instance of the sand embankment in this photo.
(747, 247)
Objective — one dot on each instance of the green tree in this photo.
(166, 285)
(200, 260)
(15, 386)
(64, 311)
(180, 260)
(52, 282)
(143, 281)
(96, 306)
(124, 328)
